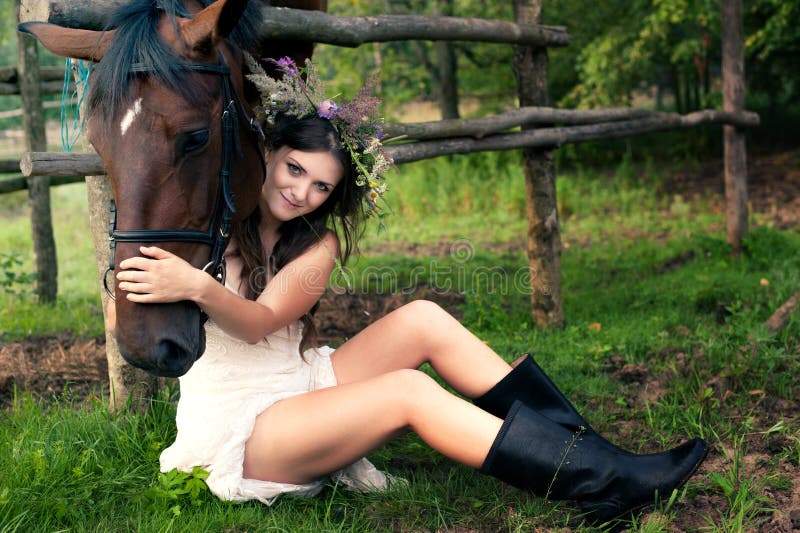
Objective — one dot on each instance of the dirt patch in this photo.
(773, 185)
(760, 464)
(53, 365)
(49, 366)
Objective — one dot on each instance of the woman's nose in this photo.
(300, 193)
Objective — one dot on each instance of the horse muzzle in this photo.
(176, 342)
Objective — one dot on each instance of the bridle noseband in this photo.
(219, 229)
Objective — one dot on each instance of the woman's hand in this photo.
(160, 277)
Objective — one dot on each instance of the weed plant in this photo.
(648, 282)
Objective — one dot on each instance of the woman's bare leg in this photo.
(302, 438)
(420, 332)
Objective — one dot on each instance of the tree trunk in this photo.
(447, 66)
(44, 245)
(544, 233)
(734, 139)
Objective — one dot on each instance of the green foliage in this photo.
(175, 486)
(78, 302)
(12, 280)
(484, 72)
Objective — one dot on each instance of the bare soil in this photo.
(53, 365)
(62, 364)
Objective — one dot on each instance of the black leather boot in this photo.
(528, 383)
(534, 453)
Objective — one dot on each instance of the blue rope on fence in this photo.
(71, 120)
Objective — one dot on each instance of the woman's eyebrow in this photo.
(294, 162)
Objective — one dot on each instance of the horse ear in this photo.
(88, 45)
(213, 24)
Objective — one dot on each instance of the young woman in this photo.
(266, 414)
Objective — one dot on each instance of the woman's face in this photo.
(298, 182)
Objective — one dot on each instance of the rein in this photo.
(219, 230)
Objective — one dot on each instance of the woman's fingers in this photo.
(136, 287)
(155, 252)
(140, 263)
(143, 298)
(132, 275)
(151, 253)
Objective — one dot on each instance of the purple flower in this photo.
(288, 65)
(327, 109)
(379, 132)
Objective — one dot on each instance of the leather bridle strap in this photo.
(219, 230)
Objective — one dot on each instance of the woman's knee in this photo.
(423, 317)
(411, 388)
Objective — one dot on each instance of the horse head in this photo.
(169, 118)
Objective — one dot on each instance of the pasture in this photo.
(663, 340)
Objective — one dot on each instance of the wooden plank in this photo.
(526, 116)
(45, 87)
(60, 164)
(10, 74)
(20, 183)
(549, 137)
(299, 24)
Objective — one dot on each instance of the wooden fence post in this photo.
(544, 233)
(446, 69)
(733, 89)
(44, 245)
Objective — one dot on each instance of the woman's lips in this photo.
(290, 204)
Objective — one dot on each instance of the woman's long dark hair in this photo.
(342, 212)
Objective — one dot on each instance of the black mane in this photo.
(137, 41)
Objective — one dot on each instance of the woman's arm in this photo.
(162, 277)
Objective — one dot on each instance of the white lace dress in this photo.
(221, 396)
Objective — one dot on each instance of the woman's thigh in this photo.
(302, 438)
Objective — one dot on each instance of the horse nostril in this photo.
(173, 360)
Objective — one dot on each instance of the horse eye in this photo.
(194, 140)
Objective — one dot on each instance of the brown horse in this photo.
(169, 117)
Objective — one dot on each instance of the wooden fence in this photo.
(530, 40)
(450, 137)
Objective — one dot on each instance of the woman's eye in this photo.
(293, 169)
(322, 187)
(194, 140)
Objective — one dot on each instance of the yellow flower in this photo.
(373, 195)
(372, 184)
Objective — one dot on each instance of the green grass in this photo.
(78, 305)
(647, 278)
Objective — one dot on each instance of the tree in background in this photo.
(656, 48)
(772, 45)
(446, 73)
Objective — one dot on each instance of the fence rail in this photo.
(20, 183)
(300, 24)
(472, 139)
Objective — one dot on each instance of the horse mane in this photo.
(137, 41)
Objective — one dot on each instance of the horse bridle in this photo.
(219, 230)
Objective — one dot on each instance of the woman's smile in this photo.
(289, 203)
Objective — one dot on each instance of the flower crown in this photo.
(359, 133)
